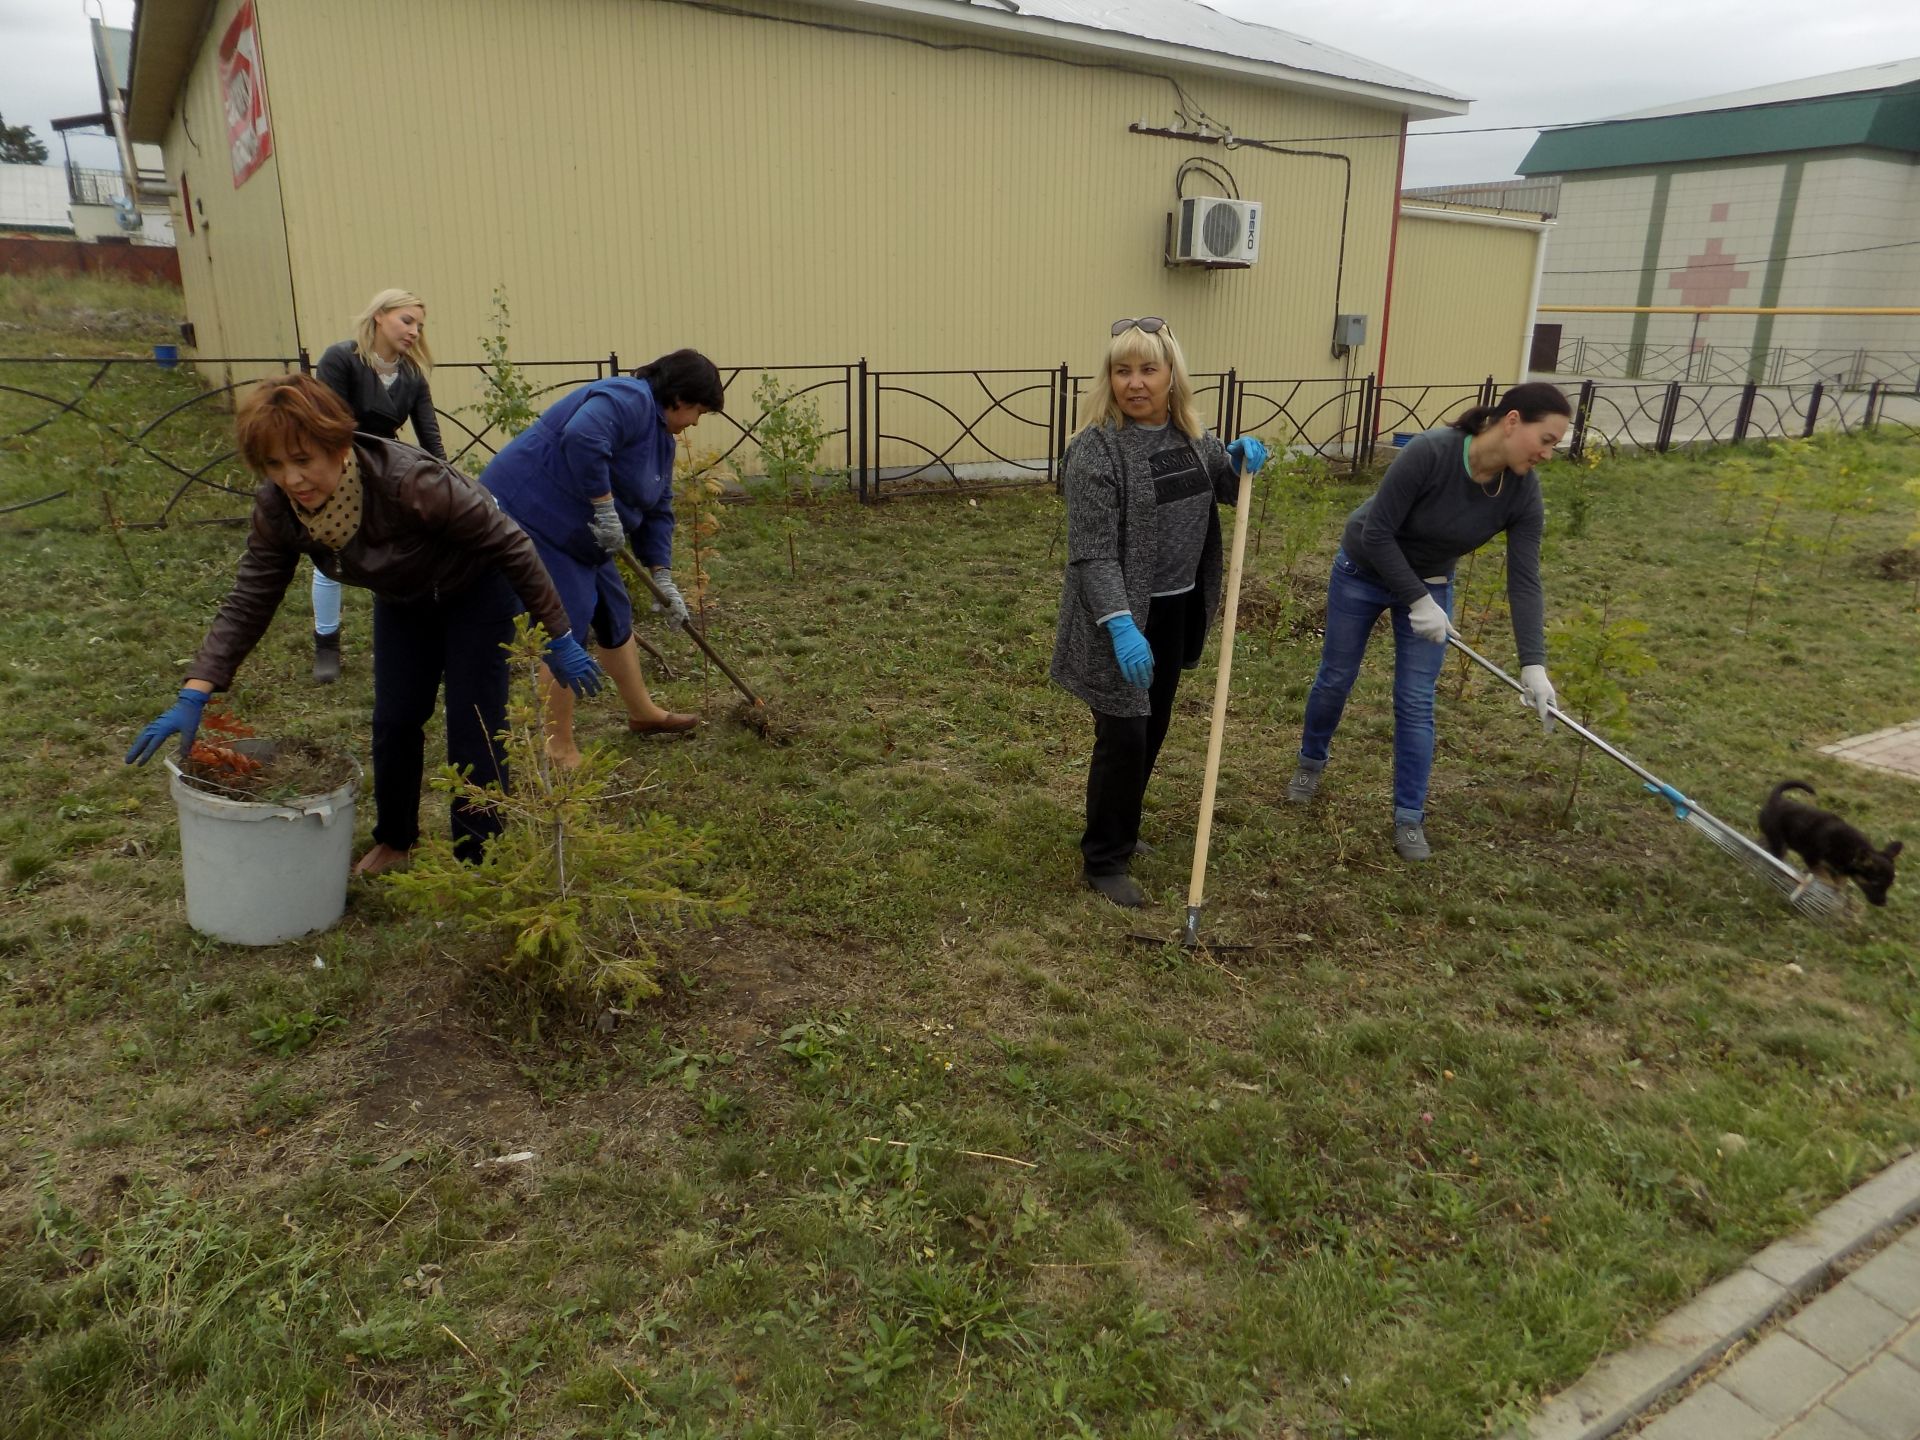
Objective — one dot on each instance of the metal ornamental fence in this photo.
(1837, 367)
(165, 428)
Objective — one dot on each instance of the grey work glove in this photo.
(606, 528)
(1429, 621)
(1536, 691)
(676, 602)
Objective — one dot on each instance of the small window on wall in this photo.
(186, 202)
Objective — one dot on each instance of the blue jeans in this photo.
(1355, 599)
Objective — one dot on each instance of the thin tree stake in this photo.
(464, 1346)
(951, 1150)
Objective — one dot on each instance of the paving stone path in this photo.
(1842, 1363)
(1847, 1367)
(1897, 750)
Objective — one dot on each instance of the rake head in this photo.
(1807, 894)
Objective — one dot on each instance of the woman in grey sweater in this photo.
(1143, 575)
(1448, 493)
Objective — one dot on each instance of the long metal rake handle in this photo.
(634, 568)
(1682, 805)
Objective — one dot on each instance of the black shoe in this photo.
(1120, 889)
(326, 658)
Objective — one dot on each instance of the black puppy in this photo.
(1832, 848)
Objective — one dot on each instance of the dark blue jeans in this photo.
(1355, 600)
(416, 645)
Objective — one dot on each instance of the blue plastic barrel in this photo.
(1401, 438)
(166, 356)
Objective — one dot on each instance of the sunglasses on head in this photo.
(1150, 324)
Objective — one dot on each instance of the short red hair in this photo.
(288, 413)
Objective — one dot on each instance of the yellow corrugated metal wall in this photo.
(233, 267)
(642, 175)
(1460, 302)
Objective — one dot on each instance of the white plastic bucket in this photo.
(261, 872)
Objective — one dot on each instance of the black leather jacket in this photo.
(426, 532)
(378, 410)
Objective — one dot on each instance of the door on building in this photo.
(1544, 358)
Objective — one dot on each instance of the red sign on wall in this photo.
(243, 92)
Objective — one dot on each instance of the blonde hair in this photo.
(1135, 345)
(420, 357)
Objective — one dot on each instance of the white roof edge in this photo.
(1475, 217)
(1418, 103)
(1864, 79)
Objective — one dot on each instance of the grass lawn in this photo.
(925, 1145)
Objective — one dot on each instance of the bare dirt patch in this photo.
(437, 1075)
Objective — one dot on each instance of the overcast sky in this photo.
(46, 69)
(1522, 65)
(1535, 65)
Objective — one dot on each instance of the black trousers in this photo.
(416, 645)
(1125, 747)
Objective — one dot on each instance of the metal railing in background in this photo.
(583, 372)
(166, 436)
(956, 409)
(177, 443)
(1836, 367)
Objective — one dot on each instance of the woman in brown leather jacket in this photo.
(448, 572)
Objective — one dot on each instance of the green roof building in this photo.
(1800, 194)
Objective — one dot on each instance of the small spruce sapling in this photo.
(1734, 484)
(1772, 538)
(699, 482)
(1844, 488)
(577, 892)
(1477, 613)
(506, 402)
(790, 437)
(1593, 654)
(1571, 494)
(1912, 487)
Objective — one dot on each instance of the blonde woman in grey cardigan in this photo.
(1143, 575)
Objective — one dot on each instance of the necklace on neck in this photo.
(1466, 459)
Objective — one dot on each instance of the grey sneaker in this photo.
(1301, 788)
(1410, 841)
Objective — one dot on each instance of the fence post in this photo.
(1871, 419)
(1581, 410)
(1813, 408)
(1743, 417)
(1230, 402)
(306, 361)
(1062, 420)
(860, 423)
(1360, 424)
(1373, 419)
(613, 362)
(1670, 408)
(846, 397)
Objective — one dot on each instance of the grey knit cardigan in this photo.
(1110, 515)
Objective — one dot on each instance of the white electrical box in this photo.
(1212, 230)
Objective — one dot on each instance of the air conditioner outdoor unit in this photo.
(1217, 231)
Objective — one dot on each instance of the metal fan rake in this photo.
(1806, 893)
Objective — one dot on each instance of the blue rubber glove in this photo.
(572, 666)
(182, 720)
(1248, 454)
(1130, 648)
